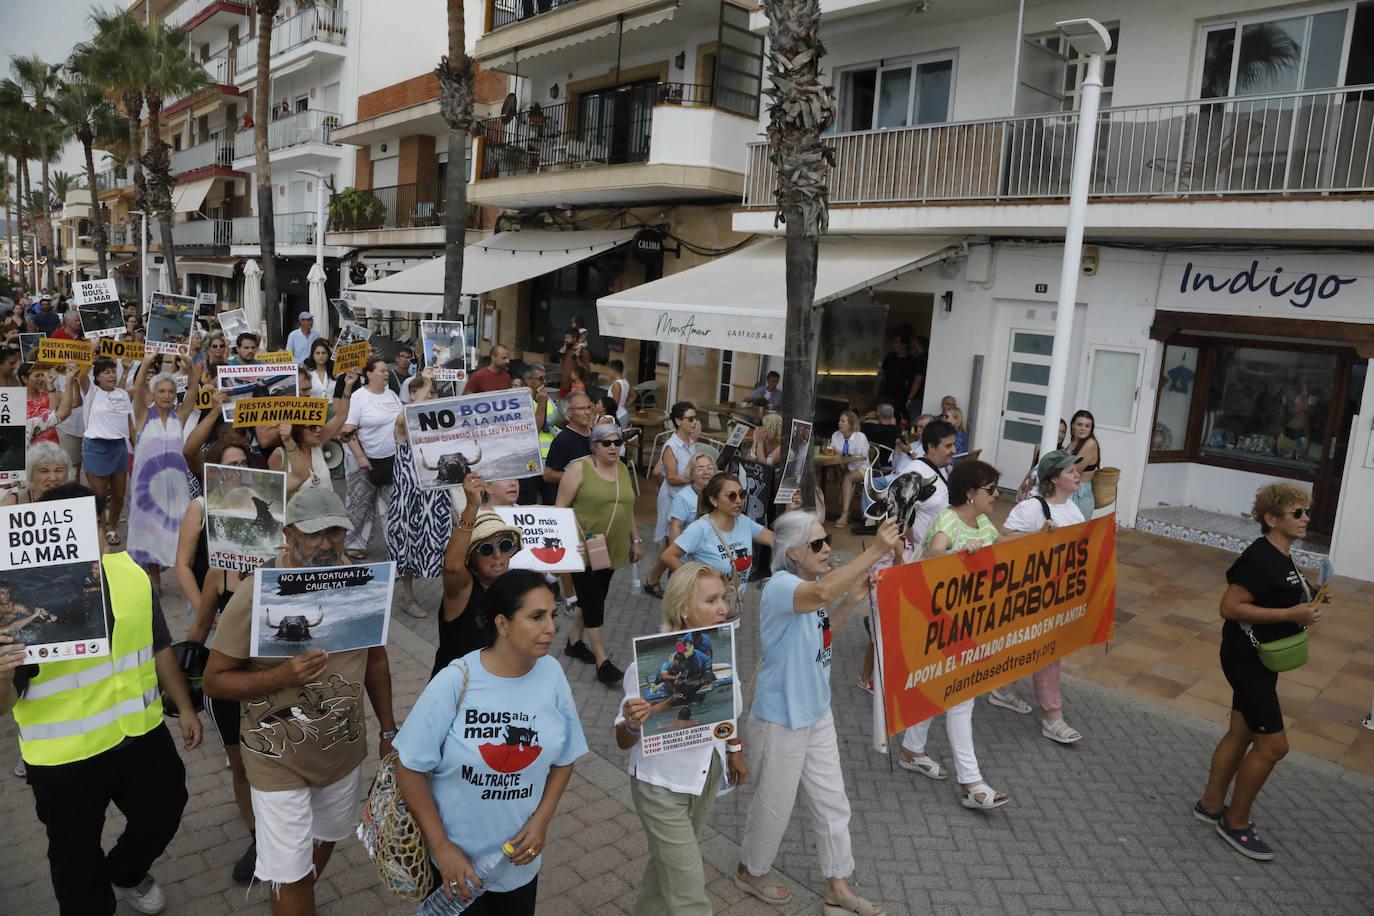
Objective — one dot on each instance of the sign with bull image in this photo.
(493, 434)
(245, 510)
(549, 535)
(334, 608)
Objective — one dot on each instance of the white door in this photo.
(1025, 390)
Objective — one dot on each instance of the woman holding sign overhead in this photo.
(109, 416)
(418, 522)
(370, 435)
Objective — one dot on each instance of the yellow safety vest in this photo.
(545, 440)
(74, 710)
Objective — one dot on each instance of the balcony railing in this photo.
(316, 23)
(112, 180)
(203, 155)
(124, 235)
(291, 229)
(311, 126)
(202, 232)
(190, 9)
(608, 129)
(220, 69)
(1294, 143)
(405, 206)
(504, 12)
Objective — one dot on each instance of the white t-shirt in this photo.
(1028, 515)
(74, 425)
(901, 463)
(375, 417)
(858, 445)
(107, 413)
(926, 511)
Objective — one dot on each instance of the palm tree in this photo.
(7, 198)
(38, 81)
(455, 104)
(800, 110)
(267, 234)
(91, 117)
(16, 123)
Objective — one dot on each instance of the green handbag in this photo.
(1287, 653)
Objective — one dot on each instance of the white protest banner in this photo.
(50, 594)
(91, 292)
(445, 351)
(206, 303)
(493, 433)
(797, 449)
(245, 510)
(334, 608)
(345, 310)
(550, 538)
(254, 381)
(101, 319)
(169, 324)
(688, 679)
(233, 322)
(13, 416)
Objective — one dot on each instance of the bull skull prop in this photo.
(899, 499)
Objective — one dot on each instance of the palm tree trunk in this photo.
(9, 217)
(133, 111)
(455, 104)
(47, 210)
(98, 241)
(159, 170)
(25, 189)
(267, 233)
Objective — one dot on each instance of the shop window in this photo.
(1174, 410)
(1114, 387)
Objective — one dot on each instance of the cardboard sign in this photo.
(276, 358)
(206, 303)
(445, 352)
(245, 510)
(688, 678)
(335, 608)
(493, 433)
(550, 538)
(121, 349)
(345, 310)
(254, 381)
(51, 599)
(296, 411)
(350, 356)
(101, 319)
(169, 324)
(59, 352)
(28, 347)
(204, 399)
(959, 625)
(233, 322)
(91, 292)
(797, 450)
(13, 433)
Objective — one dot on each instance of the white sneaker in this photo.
(147, 897)
(19, 768)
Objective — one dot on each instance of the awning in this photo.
(739, 301)
(94, 269)
(581, 34)
(187, 198)
(223, 269)
(503, 259)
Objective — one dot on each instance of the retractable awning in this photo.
(503, 259)
(223, 269)
(739, 301)
(187, 198)
(94, 269)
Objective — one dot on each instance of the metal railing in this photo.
(1292, 143)
(190, 9)
(316, 23)
(123, 235)
(605, 129)
(504, 12)
(202, 232)
(219, 151)
(402, 206)
(312, 126)
(291, 229)
(111, 180)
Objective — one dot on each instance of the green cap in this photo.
(1055, 462)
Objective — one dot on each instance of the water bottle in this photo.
(636, 587)
(846, 447)
(489, 868)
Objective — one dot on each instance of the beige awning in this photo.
(223, 269)
(187, 198)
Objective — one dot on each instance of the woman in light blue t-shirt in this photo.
(685, 503)
(792, 743)
(723, 537)
(486, 765)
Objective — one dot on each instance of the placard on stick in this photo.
(798, 447)
(169, 324)
(101, 319)
(350, 356)
(688, 678)
(549, 536)
(493, 433)
(254, 381)
(51, 598)
(206, 303)
(296, 411)
(445, 352)
(233, 322)
(89, 292)
(121, 349)
(53, 352)
(13, 414)
(335, 608)
(28, 347)
(345, 310)
(245, 510)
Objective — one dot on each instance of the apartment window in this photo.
(1266, 55)
(302, 104)
(727, 376)
(896, 93)
(1053, 67)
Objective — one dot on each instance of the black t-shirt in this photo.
(920, 369)
(566, 447)
(459, 636)
(898, 373)
(1274, 582)
(881, 434)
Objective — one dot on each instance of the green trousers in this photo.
(674, 881)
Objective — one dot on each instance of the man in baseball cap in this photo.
(299, 340)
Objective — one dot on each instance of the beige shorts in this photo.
(290, 822)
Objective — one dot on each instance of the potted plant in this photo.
(353, 209)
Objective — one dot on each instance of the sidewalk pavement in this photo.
(1103, 826)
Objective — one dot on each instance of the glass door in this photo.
(1346, 398)
(1023, 405)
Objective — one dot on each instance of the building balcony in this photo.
(217, 152)
(123, 235)
(651, 142)
(502, 13)
(1243, 152)
(325, 27)
(306, 127)
(408, 214)
(513, 25)
(112, 180)
(191, 14)
(203, 233)
(290, 229)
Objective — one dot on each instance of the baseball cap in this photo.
(1056, 461)
(305, 316)
(314, 509)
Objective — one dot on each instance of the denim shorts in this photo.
(104, 457)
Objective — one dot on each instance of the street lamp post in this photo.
(1091, 38)
(143, 260)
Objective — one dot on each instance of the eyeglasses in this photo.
(990, 489)
(688, 418)
(613, 443)
(733, 495)
(1304, 512)
(488, 549)
(818, 543)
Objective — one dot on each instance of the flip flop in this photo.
(857, 905)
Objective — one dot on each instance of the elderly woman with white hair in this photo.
(792, 743)
(46, 465)
(159, 491)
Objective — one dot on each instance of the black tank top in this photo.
(459, 636)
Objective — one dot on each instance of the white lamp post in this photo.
(143, 260)
(1091, 38)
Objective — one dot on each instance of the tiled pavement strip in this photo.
(1100, 827)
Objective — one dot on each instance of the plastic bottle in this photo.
(489, 868)
(636, 587)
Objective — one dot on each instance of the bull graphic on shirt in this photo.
(325, 714)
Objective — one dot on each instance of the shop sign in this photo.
(647, 245)
(1294, 285)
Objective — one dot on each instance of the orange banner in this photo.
(956, 626)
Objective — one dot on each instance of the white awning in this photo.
(582, 34)
(739, 301)
(187, 198)
(503, 259)
(94, 269)
(223, 269)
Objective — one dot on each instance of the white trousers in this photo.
(781, 760)
(959, 725)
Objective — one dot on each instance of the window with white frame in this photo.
(1114, 386)
(897, 93)
(1331, 46)
(1075, 65)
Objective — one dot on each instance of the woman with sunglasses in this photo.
(673, 462)
(792, 743)
(599, 490)
(722, 537)
(683, 512)
(962, 526)
(1266, 598)
(479, 550)
(302, 451)
(674, 793)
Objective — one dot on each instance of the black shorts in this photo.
(1254, 689)
(224, 715)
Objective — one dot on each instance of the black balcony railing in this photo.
(405, 206)
(504, 12)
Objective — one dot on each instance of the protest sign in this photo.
(296, 411)
(688, 677)
(959, 625)
(206, 303)
(445, 352)
(58, 352)
(254, 381)
(732, 444)
(276, 358)
(550, 538)
(204, 398)
(334, 608)
(233, 322)
(798, 447)
(50, 594)
(169, 324)
(121, 349)
(13, 429)
(245, 510)
(90, 292)
(350, 356)
(101, 319)
(28, 347)
(493, 433)
(345, 310)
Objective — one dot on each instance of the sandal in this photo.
(855, 904)
(1013, 702)
(653, 590)
(1059, 730)
(762, 887)
(926, 766)
(991, 797)
(414, 610)
(840, 522)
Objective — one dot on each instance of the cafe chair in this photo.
(880, 457)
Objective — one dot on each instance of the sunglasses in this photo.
(1304, 512)
(613, 443)
(689, 419)
(818, 543)
(489, 550)
(990, 489)
(733, 495)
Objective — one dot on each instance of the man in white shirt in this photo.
(299, 340)
(938, 440)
